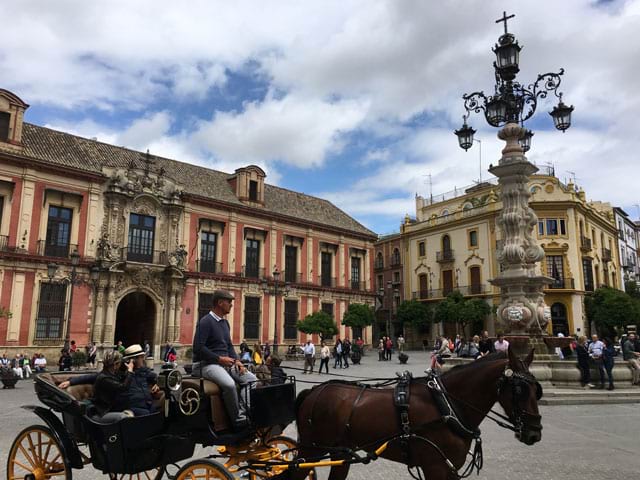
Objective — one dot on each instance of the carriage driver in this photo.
(215, 359)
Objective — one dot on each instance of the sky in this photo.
(354, 101)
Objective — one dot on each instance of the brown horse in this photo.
(335, 417)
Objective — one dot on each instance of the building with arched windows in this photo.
(151, 238)
(454, 241)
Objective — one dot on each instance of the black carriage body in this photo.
(273, 405)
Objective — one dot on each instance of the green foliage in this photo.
(320, 323)
(415, 313)
(631, 287)
(188, 353)
(5, 313)
(78, 358)
(457, 309)
(609, 309)
(358, 315)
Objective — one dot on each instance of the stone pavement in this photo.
(578, 441)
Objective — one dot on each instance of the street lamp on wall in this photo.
(277, 289)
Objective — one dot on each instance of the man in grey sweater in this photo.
(215, 359)
(632, 357)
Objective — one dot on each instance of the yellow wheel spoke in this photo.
(46, 453)
(27, 456)
(16, 462)
(32, 447)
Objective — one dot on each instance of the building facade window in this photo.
(58, 232)
(446, 243)
(476, 282)
(326, 260)
(559, 321)
(447, 282)
(423, 283)
(355, 273)
(379, 261)
(552, 227)
(5, 119)
(253, 190)
(205, 304)
(396, 278)
(473, 238)
(51, 311)
(395, 257)
(141, 238)
(291, 264)
(422, 250)
(587, 273)
(380, 282)
(252, 259)
(555, 270)
(208, 245)
(252, 317)
(328, 309)
(290, 319)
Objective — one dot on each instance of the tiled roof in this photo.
(64, 149)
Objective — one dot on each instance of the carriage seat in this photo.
(212, 391)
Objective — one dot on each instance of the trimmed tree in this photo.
(610, 309)
(320, 323)
(474, 312)
(463, 312)
(357, 317)
(415, 313)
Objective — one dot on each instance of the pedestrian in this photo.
(400, 343)
(147, 349)
(64, 363)
(632, 357)
(73, 347)
(608, 357)
(595, 352)
(266, 351)
(346, 350)
(388, 348)
(337, 353)
(15, 366)
(92, 350)
(381, 350)
(309, 350)
(257, 358)
(501, 345)
(360, 345)
(26, 367)
(325, 354)
(119, 347)
(40, 363)
(583, 362)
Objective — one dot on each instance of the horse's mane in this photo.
(479, 363)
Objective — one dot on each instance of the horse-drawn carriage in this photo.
(190, 413)
(427, 422)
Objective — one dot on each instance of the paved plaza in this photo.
(578, 442)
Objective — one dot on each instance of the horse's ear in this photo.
(513, 359)
(529, 359)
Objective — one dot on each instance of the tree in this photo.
(320, 323)
(609, 309)
(358, 315)
(457, 309)
(415, 313)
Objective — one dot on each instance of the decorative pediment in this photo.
(554, 246)
(422, 266)
(474, 256)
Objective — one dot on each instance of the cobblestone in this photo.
(579, 441)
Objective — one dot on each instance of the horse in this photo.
(338, 417)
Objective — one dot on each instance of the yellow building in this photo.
(454, 241)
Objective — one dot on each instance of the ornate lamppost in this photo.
(278, 288)
(73, 279)
(522, 309)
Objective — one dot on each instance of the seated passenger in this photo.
(215, 359)
(139, 395)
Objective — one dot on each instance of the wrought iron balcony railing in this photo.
(562, 283)
(445, 256)
(55, 250)
(209, 266)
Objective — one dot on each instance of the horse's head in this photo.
(518, 394)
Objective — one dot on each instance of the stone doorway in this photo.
(135, 319)
(559, 321)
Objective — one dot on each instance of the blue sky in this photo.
(352, 100)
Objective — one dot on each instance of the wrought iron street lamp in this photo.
(73, 279)
(512, 102)
(278, 288)
(522, 308)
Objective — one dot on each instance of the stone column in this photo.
(176, 328)
(110, 316)
(96, 331)
(172, 316)
(522, 310)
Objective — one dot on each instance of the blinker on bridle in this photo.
(520, 383)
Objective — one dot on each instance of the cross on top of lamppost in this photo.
(504, 19)
(512, 102)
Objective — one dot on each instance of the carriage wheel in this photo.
(153, 474)
(289, 448)
(203, 470)
(35, 454)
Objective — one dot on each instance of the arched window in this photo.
(446, 243)
(559, 322)
(395, 258)
(444, 213)
(379, 260)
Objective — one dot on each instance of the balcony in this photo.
(606, 255)
(250, 271)
(291, 276)
(156, 257)
(445, 256)
(562, 283)
(209, 266)
(585, 244)
(327, 281)
(420, 295)
(378, 264)
(394, 260)
(355, 285)
(476, 289)
(59, 251)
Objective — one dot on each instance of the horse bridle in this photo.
(520, 384)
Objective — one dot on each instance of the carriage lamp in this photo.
(512, 101)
